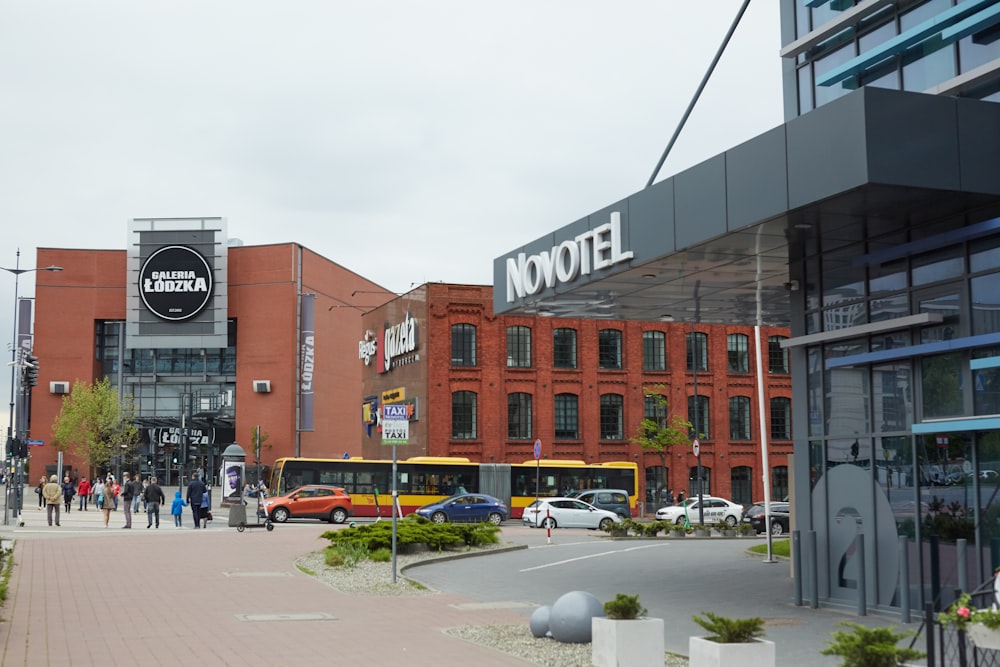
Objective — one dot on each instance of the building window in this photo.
(657, 486)
(611, 417)
(564, 348)
(519, 416)
(777, 356)
(742, 490)
(463, 415)
(739, 418)
(567, 417)
(697, 350)
(463, 345)
(738, 353)
(705, 487)
(779, 482)
(518, 347)
(699, 421)
(655, 410)
(609, 349)
(781, 418)
(654, 351)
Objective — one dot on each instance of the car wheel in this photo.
(731, 520)
(777, 528)
(680, 521)
(549, 522)
(495, 518)
(280, 515)
(439, 517)
(606, 524)
(338, 515)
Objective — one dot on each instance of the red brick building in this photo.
(239, 369)
(486, 387)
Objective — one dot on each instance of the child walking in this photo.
(178, 508)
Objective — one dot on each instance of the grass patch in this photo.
(6, 567)
(778, 548)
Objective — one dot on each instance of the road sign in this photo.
(395, 424)
(695, 446)
(34, 443)
(538, 449)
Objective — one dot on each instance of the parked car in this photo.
(312, 501)
(780, 517)
(567, 513)
(613, 500)
(470, 507)
(714, 510)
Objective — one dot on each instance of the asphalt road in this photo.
(675, 579)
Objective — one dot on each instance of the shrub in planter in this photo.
(731, 641)
(870, 647)
(725, 630)
(624, 607)
(624, 636)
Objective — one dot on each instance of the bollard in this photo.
(935, 563)
(904, 578)
(859, 555)
(797, 566)
(930, 626)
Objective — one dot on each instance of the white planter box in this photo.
(705, 653)
(983, 637)
(636, 643)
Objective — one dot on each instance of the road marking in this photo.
(606, 553)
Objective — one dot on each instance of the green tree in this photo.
(95, 424)
(254, 449)
(661, 431)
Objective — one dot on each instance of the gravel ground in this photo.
(370, 578)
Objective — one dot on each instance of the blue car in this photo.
(466, 507)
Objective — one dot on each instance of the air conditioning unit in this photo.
(262, 386)
(59, 387)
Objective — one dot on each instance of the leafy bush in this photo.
(347, 555)
(415, 530)
(870, 647)
(624, 607)
(725, 630)
(380, 555)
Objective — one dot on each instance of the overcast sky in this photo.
(409, 141)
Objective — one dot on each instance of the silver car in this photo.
(567, 513)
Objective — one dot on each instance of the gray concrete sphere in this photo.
(569, 619)
(539, 623)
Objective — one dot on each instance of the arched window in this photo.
(697, 351)
(519, 416)
(567, 417)
(654, 351)
(609, 349)
(739, 418)
(738, 353)
(463, 345)
(779, 482)
(699, 421)
(463, 415)
(706, 479)
(777, 357)
(611, 417)
(781, 418)
(657, 486)
(518, 347)
(742, 490)
(564, 348)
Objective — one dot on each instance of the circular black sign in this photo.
(175, 283)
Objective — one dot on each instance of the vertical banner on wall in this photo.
(307, 338)
(23, 327)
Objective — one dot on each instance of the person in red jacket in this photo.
(84, 492)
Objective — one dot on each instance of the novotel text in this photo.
(599, 248)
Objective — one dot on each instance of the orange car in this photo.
(312, 501)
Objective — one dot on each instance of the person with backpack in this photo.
(153, 497)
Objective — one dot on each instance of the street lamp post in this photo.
(15, 485)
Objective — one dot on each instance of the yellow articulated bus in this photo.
(426, 479)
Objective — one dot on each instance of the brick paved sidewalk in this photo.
(82, 594)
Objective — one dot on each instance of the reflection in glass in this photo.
(986, 304)
(941, 385)
(892, 397)
(847, 392)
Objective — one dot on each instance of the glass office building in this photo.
(869, 224)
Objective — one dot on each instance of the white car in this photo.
(714, 510)
(567, 513)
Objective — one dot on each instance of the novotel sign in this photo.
(596, 249)
(175, 283)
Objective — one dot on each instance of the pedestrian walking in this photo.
(141, 496)
(38, 489)
(68, 491)
(153, 497)
(117, 490)
(177, 509)
(97, 489)
(128, 495)
(206, 508)
(84, 492)
(195, 492)
(109, 498)
(52, 493)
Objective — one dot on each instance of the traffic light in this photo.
(30, 370)
(175, 459)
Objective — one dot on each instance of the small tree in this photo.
(662, 431)
(95, 424)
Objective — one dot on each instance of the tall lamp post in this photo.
(14, 364)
